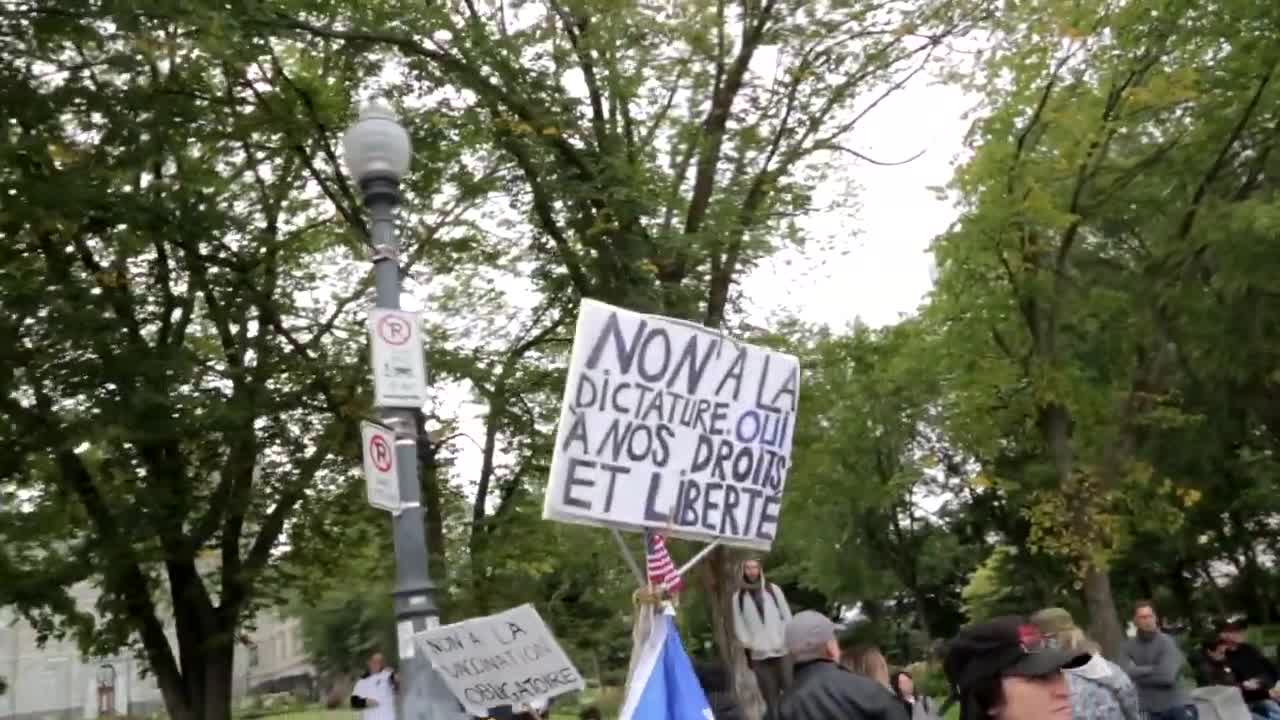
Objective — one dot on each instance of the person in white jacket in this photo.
(760, 616)
(375, 693)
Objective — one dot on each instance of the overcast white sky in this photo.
(877, 268)
(885, 272)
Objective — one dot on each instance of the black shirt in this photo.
(1248, 663)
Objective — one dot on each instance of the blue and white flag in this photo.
(663, 685)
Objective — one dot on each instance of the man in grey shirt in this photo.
(1154, 662)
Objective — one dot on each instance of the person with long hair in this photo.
(1099, 688)
(867, 661)
(760, 617)
(919, 707)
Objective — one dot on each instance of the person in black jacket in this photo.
(821, 689)
(1212, 668)
(715, 683)
(1254, 673)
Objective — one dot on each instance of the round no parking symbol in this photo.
(381, 484)
(380, 453)
(394, 330)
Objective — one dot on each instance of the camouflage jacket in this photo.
(1100, 690)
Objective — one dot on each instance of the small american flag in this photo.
(662, 571)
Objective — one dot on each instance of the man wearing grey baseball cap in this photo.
(821, 689)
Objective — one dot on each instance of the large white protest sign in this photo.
(506, 659)
(674, 427)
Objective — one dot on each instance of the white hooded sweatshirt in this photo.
(762, 634)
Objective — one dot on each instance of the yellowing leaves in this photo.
(111, 279)
(1071, 30)
(1189, 496)
(520, 127)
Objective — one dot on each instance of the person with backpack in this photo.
(1100, 689)
(760, 616)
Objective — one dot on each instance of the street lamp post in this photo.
(377, 154)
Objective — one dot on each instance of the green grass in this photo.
(316, 714)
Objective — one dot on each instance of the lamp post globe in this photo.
(377, 146)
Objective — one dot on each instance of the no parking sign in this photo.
(381, 481)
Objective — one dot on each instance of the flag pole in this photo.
(631, 559)
(645, 600)
(698, 558)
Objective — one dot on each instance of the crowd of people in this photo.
(1043, 667)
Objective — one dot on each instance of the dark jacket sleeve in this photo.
(893, 708)
(1268, 668)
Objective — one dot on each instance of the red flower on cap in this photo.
(1029, 637)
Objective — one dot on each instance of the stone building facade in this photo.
(55, 682)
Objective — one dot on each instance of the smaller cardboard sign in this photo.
(510, 658)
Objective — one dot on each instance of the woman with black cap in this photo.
(1004, 670)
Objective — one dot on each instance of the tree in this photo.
(684, 150)
(867, 454)
(182, 369)
(346, 626)
(1067, 285)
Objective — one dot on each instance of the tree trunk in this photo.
(1104, 621)
(218, 665)
(198, 687)
(1182, 590)
(203, 691)
(433, 513)
(922, 615)
(1215, 591)
(720, 575)
(1254, 581)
